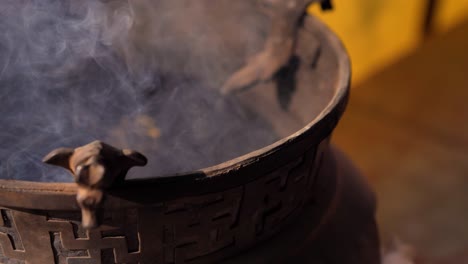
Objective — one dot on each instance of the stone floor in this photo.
(407, 130)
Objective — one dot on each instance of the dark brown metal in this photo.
(297, 200)
(285, 16)
(96, 167)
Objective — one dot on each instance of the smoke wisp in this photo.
(135, 74)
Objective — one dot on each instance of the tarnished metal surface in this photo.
(279, 46)
(96, 167)
(203, 227)
(219, 212)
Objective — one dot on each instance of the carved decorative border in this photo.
(187, 230)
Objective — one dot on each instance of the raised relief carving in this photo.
(96, 167)
(210, 226)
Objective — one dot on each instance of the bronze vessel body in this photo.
(298, 200)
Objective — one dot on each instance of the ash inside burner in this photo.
(66, 79)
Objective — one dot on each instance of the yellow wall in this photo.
(451, 13)
(378, 32)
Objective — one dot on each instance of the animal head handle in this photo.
(279, 47)
(96, 167)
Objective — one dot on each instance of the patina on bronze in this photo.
(298, 200)
(96, 167)
(285, 16)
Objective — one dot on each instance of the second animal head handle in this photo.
(96, 168)
(279, 46)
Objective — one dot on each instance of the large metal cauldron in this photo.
(295, 201)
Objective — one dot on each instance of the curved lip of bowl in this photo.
(339, 98)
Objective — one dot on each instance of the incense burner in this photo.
(298, 200)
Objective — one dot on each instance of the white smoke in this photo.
(141, 74)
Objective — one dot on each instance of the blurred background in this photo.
(406, 126)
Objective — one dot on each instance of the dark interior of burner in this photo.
(180, 124)
(67, 77)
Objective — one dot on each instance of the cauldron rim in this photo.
(34, 195)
